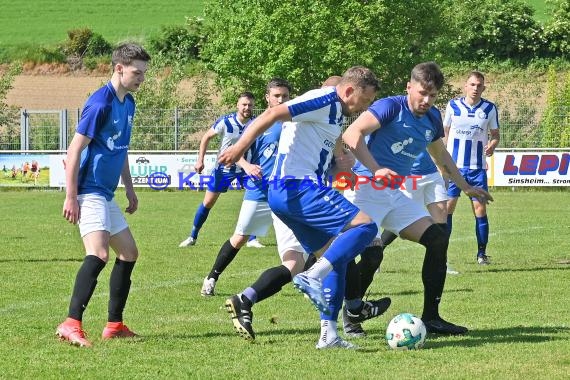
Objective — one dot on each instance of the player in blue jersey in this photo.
(320, 217)
(255, 215)
(230, 128)
(468, 122)
(426, 186)
(96, 159)
(386, 140)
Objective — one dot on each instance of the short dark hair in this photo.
(277, 82)
(246, 94)
(476, 74)
(428, 74)
(128, 52)
(360, 76)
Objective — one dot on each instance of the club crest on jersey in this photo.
(429, 135)
(481, 114)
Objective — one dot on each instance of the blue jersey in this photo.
(262, 152)
(423, 165)
(107, 122)
(402, 136)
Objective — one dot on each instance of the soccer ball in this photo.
(406, 332)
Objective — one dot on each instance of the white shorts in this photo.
(389, 208)
(430, 188)
(98, 214)
(254, 218)
(286, 240)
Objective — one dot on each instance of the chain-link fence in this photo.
(182, 129)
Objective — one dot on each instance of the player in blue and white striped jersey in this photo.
(317, 214)
(230, 127)
(468, 122)
(387, 139)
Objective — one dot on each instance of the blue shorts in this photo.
(314, 213)
(220, 181)
(474, 177)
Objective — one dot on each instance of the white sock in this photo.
(320, 269)
(328, 332)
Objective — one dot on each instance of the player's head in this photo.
(130, 63)
(245, 104)
(474, 85)
(357, 89)
(277, 91)
(333, 80)
(424, 85)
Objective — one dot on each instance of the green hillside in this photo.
(46, 22)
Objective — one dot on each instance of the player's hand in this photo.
(482, 196)
(230, 156)
(385, 174)
(254, 171)
(199, 167)
(71, 211)
(133, 202)
(489, 150)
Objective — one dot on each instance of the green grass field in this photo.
(517, 309)
(46, 22)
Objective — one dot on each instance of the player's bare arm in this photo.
(444, 161)
(493, 142)
(257, 127)
(353, 137)
(129, 188)
(70, 205)
(202, 150)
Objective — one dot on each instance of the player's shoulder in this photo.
(489, 102)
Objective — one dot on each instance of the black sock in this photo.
(310, 261)
(436, 241)
(370, 260)
(271, 281)
(225, 256)
(353, 286)
(119, 287)
(85, 283)
(387, 237)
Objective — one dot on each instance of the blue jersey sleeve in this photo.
(92, 119)
(385, 110)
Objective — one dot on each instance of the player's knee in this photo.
(372, 256)
(435, 239)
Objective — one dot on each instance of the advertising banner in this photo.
(531, 168)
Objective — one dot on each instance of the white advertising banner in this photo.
(173, 171)
(530, 168)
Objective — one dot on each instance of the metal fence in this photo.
(182, 129)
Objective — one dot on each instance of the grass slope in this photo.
(517, 309)
(46, 22)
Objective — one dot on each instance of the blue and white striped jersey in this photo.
(307, 141)
(230, 130)
(469, 131)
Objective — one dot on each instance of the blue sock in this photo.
(251, 294)
(199, 219)
(449, 223)
(482, 232)
(350, 243)
(333, 287)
